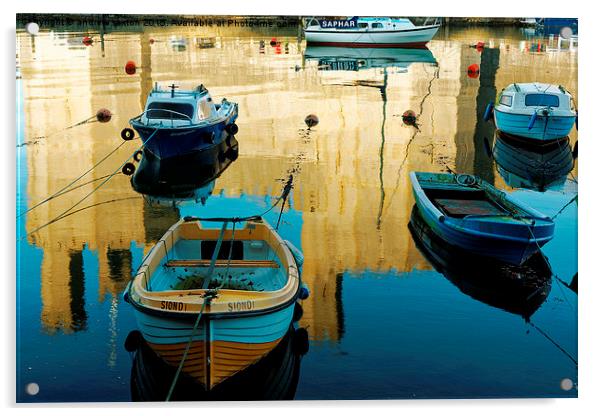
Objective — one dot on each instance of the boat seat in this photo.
(223, 263)
(463, 207)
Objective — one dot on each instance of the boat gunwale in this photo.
(273, 300)
(208, 122)
(459, 224)
(353, 31)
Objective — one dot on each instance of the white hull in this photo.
(416, 36)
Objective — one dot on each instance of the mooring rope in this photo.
(207, 296)
(61, 191)
(34, 140)
(91, 192)
(286, 190)
(213, 293)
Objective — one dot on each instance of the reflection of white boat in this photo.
(353, 59)
(530, 21)
(370, 31)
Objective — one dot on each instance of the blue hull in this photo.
(506, 239)
(545, 128)
(505, 251)
(170, 142)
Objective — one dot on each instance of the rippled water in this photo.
(383, 320)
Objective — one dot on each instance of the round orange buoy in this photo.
(130, 67)
(273, 42)
(311, 120)
(87, 40)
(473, 71)
(103, 115)
(409, 118)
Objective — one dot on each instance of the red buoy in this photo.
(473, 71)
(409, 118)
(311, 120)
(87, 40)
(103, 115)
(130, 67)
(480, 45)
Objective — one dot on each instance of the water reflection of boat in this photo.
(534, 167)
(274, 377)
(517, 289)
(211, 296)
(354, 59)
(467, 212)
(184, 177)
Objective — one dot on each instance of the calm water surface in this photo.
(383, 320)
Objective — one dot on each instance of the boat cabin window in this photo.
(506, 100)
(377, 25)
(541, 100)
(362, 25)
(313, 22)
(205, 109)
(166, 110)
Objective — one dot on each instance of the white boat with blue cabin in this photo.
(534, 111)
(385, 32)
(183, 122)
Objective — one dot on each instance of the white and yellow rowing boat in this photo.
(224, 295)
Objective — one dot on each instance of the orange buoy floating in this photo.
(311, 120)
(87, 40)
(103, 115)
(130, 67)
(409, 118)
(473, 71)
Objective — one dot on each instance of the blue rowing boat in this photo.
(469, 213)
(176, 123)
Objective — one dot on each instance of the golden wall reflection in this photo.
(352, 184)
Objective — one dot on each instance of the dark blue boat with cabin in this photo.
(175, 123)
(469, 213)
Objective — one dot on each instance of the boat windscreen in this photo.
(167, 110)
(548, 100)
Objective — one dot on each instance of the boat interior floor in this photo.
(257, 276)
(460, 203)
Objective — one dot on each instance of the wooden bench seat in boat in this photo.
(223, 263)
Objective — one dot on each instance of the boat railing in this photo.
(171, 112)
(432, 21)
